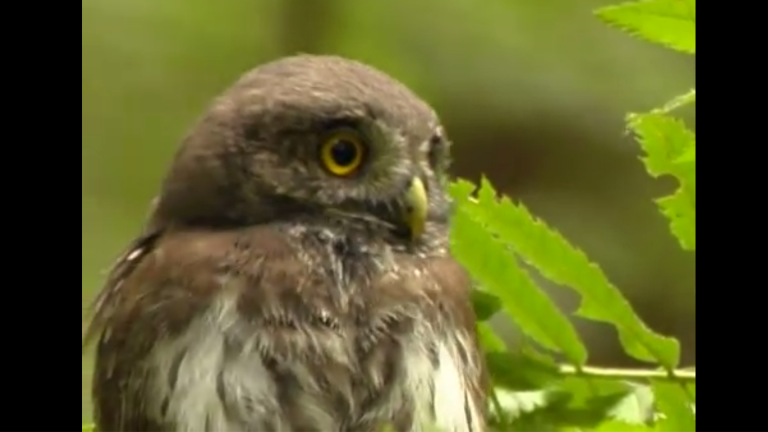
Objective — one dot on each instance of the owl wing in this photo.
(166, 327)
(117, 403)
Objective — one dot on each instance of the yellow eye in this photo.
(342, 153)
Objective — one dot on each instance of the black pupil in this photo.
(344, 153)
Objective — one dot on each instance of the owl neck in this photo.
(367, 234)
(298, 220)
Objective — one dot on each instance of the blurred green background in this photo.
(533, 93)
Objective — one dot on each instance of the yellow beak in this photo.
(417, 204)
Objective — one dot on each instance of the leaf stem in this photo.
(679, 375)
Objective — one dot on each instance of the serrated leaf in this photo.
(675, 406)
(497, 271)
(682, 218)
(664, 140)
(671, 23)
(557, 260)
(670, 149)
(485, 305)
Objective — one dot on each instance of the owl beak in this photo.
(416, 206)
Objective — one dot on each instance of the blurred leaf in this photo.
(670, 149)
(636, 407)
(691, 387)
(485, 304)
(517, 371)
(488, 339)
(671, 23)
(575, 401)
(688, 157)
(556, 259)
(614, 426)
(579, 403)
(489, 262)
(677, 411)
(516, 403)
(89, 428)
(593, 393)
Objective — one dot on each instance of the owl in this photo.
(294, 273)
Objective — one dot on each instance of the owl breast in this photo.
(334, 338)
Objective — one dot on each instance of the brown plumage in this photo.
(294, 274)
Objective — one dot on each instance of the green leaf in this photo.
(89, 428)
(664, 140)
(497, 271)
(636, 407)
(488, 339)
(577, 401)
(618, 426)
(682, 218)
(688, 157)
(515, 403)
(692, 391)
(520, 372)
(593, 393)
(671, 23)
(556, 259)
(670, 149)
(485, 304)
(675, 406)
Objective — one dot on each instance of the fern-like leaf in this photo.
(557, 260)
(670, 149)
(495, 268)
(669, 23)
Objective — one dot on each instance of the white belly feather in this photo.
(194, 403)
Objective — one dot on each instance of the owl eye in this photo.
(437, 151)
(342, 153)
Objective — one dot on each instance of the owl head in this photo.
(313, 137)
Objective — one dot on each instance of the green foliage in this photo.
(494, 267)
(551, 254)
(499, 241)
(671, 23)
(670, 149)
(669, 146)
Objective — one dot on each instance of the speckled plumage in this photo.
(267, 295)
